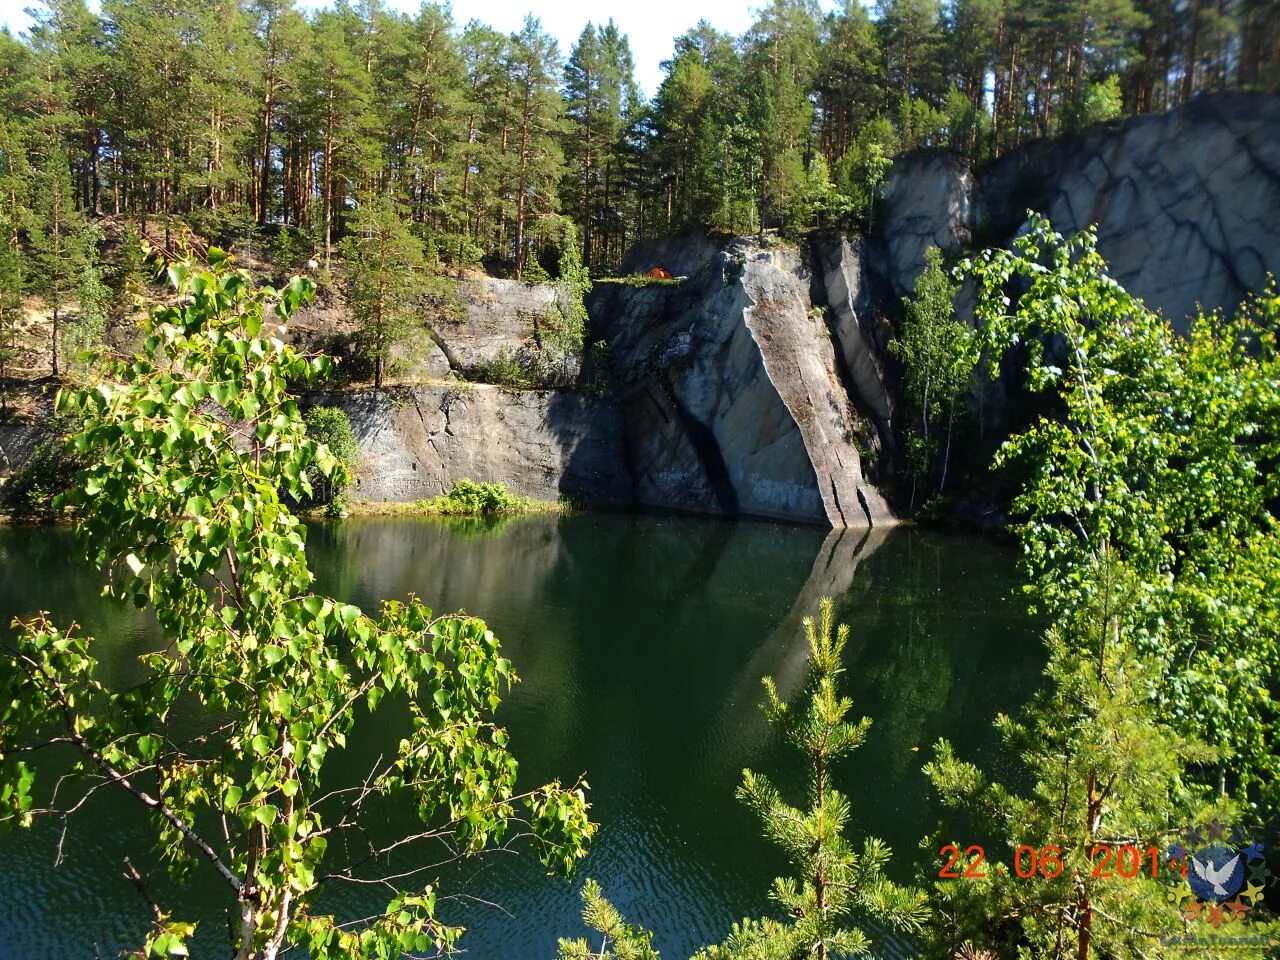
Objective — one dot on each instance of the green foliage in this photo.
(968, 125)
(619, 939)
(83, 330)
(1101, 101)
(574, 283)
(864, 167)
(1105, 770)
(1146, 517)
(468, 498)
(596, 369)
(232, 226)
(835, 884)
(11, 290)
(938, 354)
(352, 362)
(600, 98)
(257, 113)
(505, 371)
(640, 280)
(189, 447)
(290, 249)
(919, 123)
(534, 272)
(1159, 457)
(331, 427)
(129, 277)
(63, 248)
(385, 271)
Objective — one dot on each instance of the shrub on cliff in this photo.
(386, 269)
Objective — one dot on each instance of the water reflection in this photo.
(641, 642)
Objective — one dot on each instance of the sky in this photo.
(650, 24)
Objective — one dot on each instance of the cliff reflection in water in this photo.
(641, 642)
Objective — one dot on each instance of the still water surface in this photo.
(641, 642)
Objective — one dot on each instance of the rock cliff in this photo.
(419, 442)
(739, 384)
(1187, 203)
(493, 317)
(759, 385)
(24, 427)
(762, 385)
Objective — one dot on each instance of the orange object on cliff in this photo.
(659, 273)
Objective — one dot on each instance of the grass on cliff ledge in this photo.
(640, 280)
(468, 499)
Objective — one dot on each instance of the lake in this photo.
(641, 642)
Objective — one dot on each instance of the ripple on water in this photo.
(641, 642)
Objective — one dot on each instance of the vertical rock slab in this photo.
(929, 201)
(731, 393)
(799, 359)
(840, 281)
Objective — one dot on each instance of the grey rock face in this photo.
(496, 315)
(26, 427)
(18, 441)
(1187, 203)
(683, 254)
(419, 443)
(841, 282)
(928, 202)
(732, 394)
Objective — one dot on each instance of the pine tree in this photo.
(72, 42)
(83, 330)
(224, 68)
(782, 59)
(280, 34)
(573, 280)
(619, 939)
(385, 270)
(697, 118)
(62, 245)
(534, 117)
(836, 885)
(11, 292)
(338, 97)
(912, 43)
(848, 79)
(1107, 773)
(973, 28)
(425, 93)
(598, 85)
(481, 152)
(128, 278)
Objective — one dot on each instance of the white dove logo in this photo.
(1216, 877)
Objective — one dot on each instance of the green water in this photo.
(641, 642)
